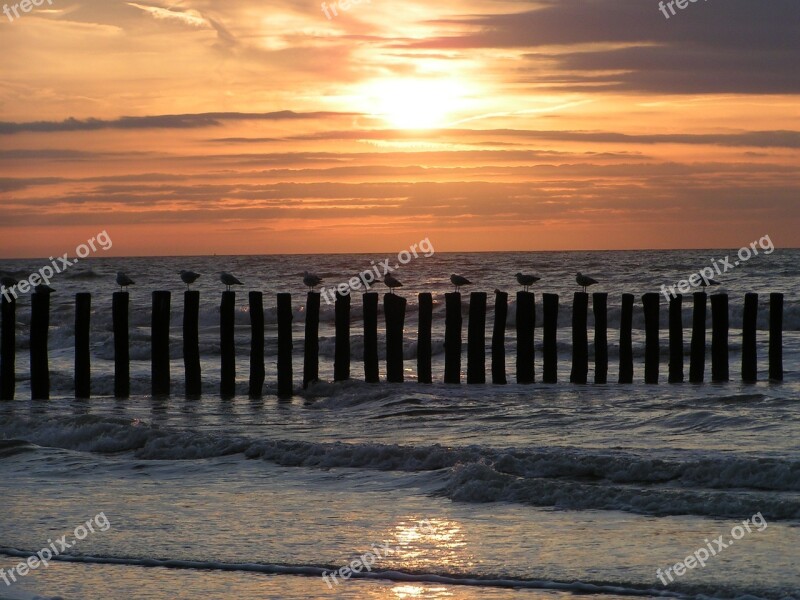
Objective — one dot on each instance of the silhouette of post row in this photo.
(395, 314)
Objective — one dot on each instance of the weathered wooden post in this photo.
(371, 369)
(191, 343)
(341, 361)
(159, 344)
(8, 351)
(499, 338)
(285, 372)
(83, 312)
(776, 337)
(40, 323)
(424, 373)
(719, 337)
(311, 346)
(122, 358)
(257, 368)
(676, 339)
(600, 308)
(698, 350)
(749, 351)
(549, 338)
(650, 302)
(580, 339)
(626, 339)
(452, 338)
(526, 320)
(394, 308)
(227, 324)
(476, 338)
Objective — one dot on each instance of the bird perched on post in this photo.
(189, 277)
(526, 281)
(392, 282)
(8, 281)
(584, 281)
(311, 280)
(123, 281)
(43, 289)
(228, 280)
(458, 281)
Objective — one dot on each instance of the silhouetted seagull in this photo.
(43, 289)
(526, 281)
(123, 281)
(391, 282)
(709, 283)
(458, 281)
(311, 280)
(189, 277)
(228, 280)
(584, 281)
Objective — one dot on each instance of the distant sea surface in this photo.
(526, 491)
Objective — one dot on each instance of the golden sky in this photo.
(243, 126)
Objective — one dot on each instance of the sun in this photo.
(414, 103)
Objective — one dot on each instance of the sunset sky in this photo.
(243, 126)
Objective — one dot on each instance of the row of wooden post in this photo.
(395, 311)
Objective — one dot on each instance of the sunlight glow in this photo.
(415, 103)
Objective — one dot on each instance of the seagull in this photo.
(584, 281)
(458, 281)
(188, 277)
(123, 281)
(8, 282)
(311, 280)
(391, 282)
(43, 289)
(704, 284)
(229, 280)
(526, 280)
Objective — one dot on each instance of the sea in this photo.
(402, 491)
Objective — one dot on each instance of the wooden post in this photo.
(476, 338)
(452, 338)
(40, 369)
(600, 308)
(626, 339)
(424, 373)
(549, 338)
(676, 339)
(580, 339)
(8, 351)
(122, 358)
(371, 370)
(499, 338)
(526, 319)
(341, 361)
(719, 337)
(776, 337)
(698, 351)
(191, 343)
(159, 344)
(227, 323)
(650, 302)
(285, 317)
(257, 369)
(749, 352)
(311, 347)
(394, 308)
(83, 311)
